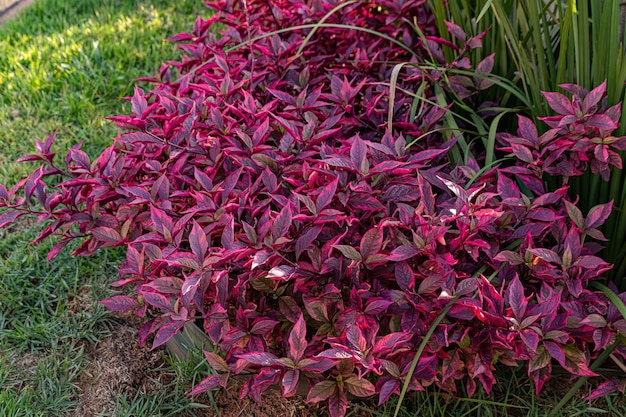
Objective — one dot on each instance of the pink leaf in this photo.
(606, 388)
(260, 358)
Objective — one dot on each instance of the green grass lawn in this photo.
(64, 65)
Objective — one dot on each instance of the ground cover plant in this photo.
(540, 45)
(286, 187)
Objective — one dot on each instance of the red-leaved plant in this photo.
(260, 194)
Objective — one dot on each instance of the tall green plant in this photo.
(539, 44)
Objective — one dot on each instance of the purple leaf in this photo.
(546, 254)
(307, 238)
(263, 327)
(326, 195)
(402, 253)
(9, 217)
(530, 338)
(431, 284)
(390, 387)
(456, 31)
(598, 215)
(371, 243)
(282, 223)
(358, 155)
(593, 97)
(404, 276)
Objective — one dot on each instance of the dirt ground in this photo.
(118, 366)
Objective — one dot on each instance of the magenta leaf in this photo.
(403, 252)
(106, 235)
(260, 358)
(208, 383)
(198, 242)
(326, 195)
(606, 388)
(166, 332)
(321, 391)
(282, 223)
(559, 103)
(297, 340)
(290, 382)
(120, 303)
(338, 404)
(598, 215)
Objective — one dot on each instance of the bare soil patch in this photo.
(118, 367)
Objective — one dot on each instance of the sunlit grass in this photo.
(65, 65)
